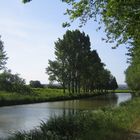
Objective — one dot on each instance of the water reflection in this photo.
(26, 117)
(123, 97)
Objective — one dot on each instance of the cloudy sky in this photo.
(30, 30)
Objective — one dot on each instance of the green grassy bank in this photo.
(41, 95)
(37, 95)
(123, 91)
(103, 124)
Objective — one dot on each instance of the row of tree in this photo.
(77, 67)
(122, 24)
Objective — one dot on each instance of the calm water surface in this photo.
(27, 117)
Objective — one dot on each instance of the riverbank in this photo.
(42, 95)
(102, 124)
(123, 91)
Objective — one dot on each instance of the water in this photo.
(27, 117)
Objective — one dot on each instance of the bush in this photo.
(13, 83)
(36, 84)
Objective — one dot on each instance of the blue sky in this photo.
(30, 30)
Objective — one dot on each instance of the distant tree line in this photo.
(36, 84)
(78, 68)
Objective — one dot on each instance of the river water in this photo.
(27, 117)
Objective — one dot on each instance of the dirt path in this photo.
(135, 135)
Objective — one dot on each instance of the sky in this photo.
(30, 30)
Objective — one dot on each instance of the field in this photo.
(38, 95)
(41, 95)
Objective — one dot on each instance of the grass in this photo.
(102, 124)
(123, 91)
(38, 95)
(41, 95)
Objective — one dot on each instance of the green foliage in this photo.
(113, 83)
(133, 77)
(122, 15)
(102, 124)
(34, 95)
(48, 92)
(123, 91)
(133, 71)
(35, 84)
(54, 86)
(37, 95)
(122, 24)
(12, 83)
(25, 1)
(77, 68)
(3, 57)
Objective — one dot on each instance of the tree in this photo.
(92, 70)
(70, 52)
(113, 83)
(25, 1)
(55, 70)
(123, 16)
(13, 83)
(35, 84)
(133, 71)
(122, 24)
(77, 67)
(3, 56)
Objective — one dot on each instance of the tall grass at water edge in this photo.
(102, 124)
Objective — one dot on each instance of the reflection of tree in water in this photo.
(89, 103)
(75, 106)
(70, 111)
(110, 99)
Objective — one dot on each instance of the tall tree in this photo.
(122, 15)
(77, 67)
(113, 83)
(13, 83)
(25, 1)
(133, 71)
(70, 54)
(3, 56)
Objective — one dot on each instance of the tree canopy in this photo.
(3, 56)
(13, 83)
(121, 18)
(36, 84)
(77, 67)
(133, 71)
(25, 1)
